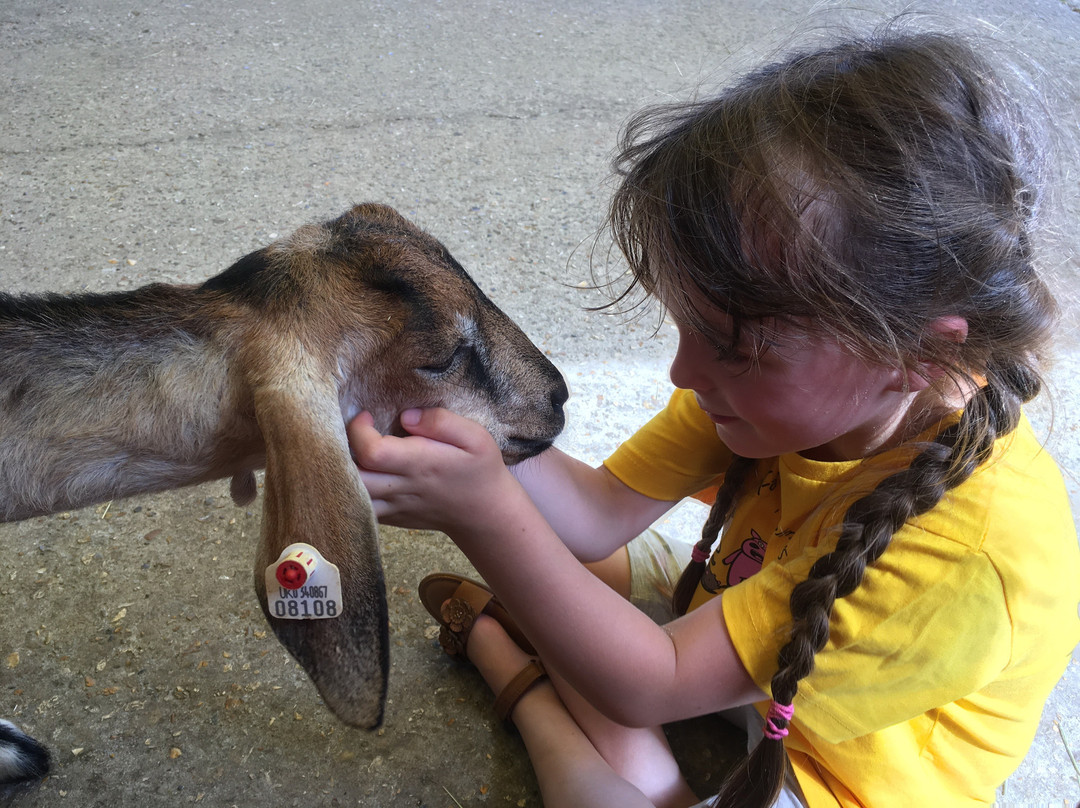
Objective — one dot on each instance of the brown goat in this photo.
(105, 396)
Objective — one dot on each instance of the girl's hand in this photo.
(448, 475)
(443, 476)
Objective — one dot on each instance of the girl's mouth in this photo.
(715, 417)
(721, 420)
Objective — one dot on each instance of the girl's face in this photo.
(805, 393)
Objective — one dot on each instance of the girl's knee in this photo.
(614, 571)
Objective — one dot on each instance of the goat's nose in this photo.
(559, 397)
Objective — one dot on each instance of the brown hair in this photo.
(870, 187)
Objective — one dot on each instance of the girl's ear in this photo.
(950, 328)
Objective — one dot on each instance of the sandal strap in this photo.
(477, 597)
(521, 684)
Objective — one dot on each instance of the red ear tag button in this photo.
(294, 570)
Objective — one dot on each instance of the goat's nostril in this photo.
(559, 397)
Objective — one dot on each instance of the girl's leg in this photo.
(614, 571)
(643, 756)
(569, 769)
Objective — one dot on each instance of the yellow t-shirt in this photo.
(930, 688)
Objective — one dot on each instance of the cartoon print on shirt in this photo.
(741, 564)
(750, 556)
(708, 579)
(747, 560)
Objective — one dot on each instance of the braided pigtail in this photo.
(867, 529)
(734, 478)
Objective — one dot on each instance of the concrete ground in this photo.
(160, 141)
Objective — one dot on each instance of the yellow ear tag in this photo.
(302, 585)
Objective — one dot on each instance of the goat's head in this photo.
(365, 312)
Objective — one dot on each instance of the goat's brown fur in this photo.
(104, 396)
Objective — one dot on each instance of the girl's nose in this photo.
(688, 368)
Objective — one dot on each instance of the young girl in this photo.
(842, 240)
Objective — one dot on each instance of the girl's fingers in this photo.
(363, 437)
(444, 426)
(432, 477)
(374, 451)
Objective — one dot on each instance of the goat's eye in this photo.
(451, 362)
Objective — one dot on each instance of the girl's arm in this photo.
(591, 509)
(449, 476)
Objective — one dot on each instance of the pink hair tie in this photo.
(784, 711)
(699, 556)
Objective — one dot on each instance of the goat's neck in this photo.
(104, 396)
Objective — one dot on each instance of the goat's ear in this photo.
(313, 494)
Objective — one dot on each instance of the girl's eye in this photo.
(732, 356)
(738, 361)
(745, 353)
(449, 364)
(737, 365)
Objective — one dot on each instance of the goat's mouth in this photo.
(516, 449)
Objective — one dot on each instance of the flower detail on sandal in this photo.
(455, 602)
(457, 619)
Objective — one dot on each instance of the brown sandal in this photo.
(455, 602)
